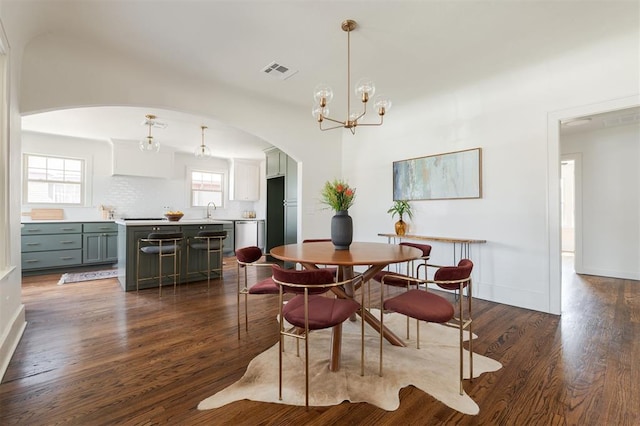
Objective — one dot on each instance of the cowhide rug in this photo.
(432, 368)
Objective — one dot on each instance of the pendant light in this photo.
(203, 150)
(149, 144)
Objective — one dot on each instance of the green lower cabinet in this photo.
(51, 259)
(147, 269)
(100, 248)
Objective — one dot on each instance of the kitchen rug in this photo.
(433, 368)
(87, 276)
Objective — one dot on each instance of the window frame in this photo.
(85, 183)
(223, 185)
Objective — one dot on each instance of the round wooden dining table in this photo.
(375, 256)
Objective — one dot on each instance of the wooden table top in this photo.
(440, 239)
(359, 253)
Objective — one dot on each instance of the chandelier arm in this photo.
(363, 112)
(372, 124)
(334, 120)
(334, 127)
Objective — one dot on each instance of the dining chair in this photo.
(424, 305)
(162, 245)
(251, 257)
(395, 279)
(211, 243)
(310, 310)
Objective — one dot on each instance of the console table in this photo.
(464, 244)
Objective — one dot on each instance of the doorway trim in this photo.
(577, 206)
(553, 186)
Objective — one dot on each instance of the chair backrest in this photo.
(317, 240)
(221, 234)
(248, 254)
(425, 248)
(454, 273)
(304, 278)
(165, 236)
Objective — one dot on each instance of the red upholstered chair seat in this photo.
(266, 286)
(421, 305)
(324, 312)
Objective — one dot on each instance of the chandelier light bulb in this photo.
(319, 112)
(382, 104)
(322, 94)
(365, 89)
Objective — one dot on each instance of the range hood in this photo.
(128, 160)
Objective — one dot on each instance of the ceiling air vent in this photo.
(279, 71)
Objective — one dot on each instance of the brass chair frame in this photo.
(301, 334)
(461, 322)
(161, 242)
(244, 290)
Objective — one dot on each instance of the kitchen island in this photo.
(130, 231)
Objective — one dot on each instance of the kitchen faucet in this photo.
(209, 211)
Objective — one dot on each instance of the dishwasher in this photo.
(246, 233)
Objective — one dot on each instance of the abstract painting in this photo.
(453, 175)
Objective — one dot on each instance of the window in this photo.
(53, 180)
(206, 187)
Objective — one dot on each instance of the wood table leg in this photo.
(336, 348)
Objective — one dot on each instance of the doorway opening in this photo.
(567, 206)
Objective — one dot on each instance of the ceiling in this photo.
(410, 49)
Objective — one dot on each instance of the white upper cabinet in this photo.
(245, 180)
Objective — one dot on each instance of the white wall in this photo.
(135, 196)
(610, 179)
(505, 115)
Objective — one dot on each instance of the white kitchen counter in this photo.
(180, 222)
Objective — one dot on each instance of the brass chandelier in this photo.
(364, 89)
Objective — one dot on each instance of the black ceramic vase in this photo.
(341, 230)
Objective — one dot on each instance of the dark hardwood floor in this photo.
(92, 354)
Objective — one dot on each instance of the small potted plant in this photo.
(401, 208)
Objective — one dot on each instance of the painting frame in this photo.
(452, 175)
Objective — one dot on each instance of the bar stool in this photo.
(162, 245)
(210, 242)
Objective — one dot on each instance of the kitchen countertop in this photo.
(202, 221)
(166, 222)
(68, 221)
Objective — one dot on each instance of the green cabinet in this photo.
(51, 245)
(276, 162)
(100, 243)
